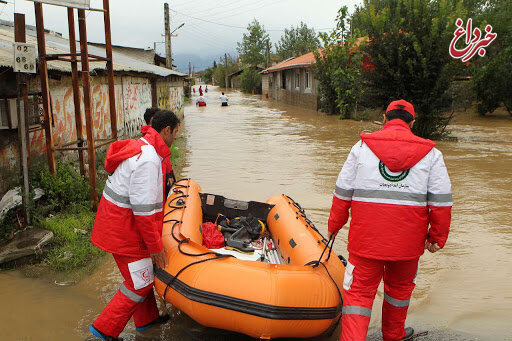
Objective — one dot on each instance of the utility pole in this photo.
(226, 70)
(168, 50)
(268, 53)
(23, 124)
(189, 69)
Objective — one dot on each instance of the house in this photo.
(292, 82)
(138, 84)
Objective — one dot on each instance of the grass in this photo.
(72, 248)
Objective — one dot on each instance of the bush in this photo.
(65, 187)
(250, 81)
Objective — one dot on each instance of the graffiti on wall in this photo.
(63, 108)
(136, 99)
(133, 97)
(170, 97)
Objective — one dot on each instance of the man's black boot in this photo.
(409, 333)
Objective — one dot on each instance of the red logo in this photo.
(146, 277)
(474, 41)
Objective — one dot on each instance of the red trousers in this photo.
(127, 302)
(362, 278)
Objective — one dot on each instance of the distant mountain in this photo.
(200, 63)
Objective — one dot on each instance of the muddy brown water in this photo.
(254, 149)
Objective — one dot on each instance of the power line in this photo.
(233, 26)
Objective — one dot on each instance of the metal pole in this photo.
(43, 73)
(226, 71)
(86, 86)
(268, 54)
(76, 89)
(19, 37)
(110, 69)
(168, 51)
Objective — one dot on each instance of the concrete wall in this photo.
(292, 94)
(265, 84)
(132, 94)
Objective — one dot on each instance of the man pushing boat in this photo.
(129, 224)
(395, 185)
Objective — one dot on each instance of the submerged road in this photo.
(254, 149)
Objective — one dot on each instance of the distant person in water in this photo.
(224, 100)
(193, 90)
(206, 89)
(200, 90)
(201, 102)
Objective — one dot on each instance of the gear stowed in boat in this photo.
(300, 298)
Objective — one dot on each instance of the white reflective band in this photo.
(394, 195)
(395, 302)
(146, 208)
(344, 192)
(356, 310)
(439, 197)
(131, 295)
(117, 197)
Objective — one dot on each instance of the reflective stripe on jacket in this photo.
(129, 217)
(391, 211)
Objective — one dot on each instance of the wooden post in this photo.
(86, 86)
(76, 89)
(43, 73)
(154, 93)
(110, 69)
(19, 37)
(168, 51)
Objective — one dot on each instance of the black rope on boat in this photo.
(179, 206)
(302, 214)
(316, 263)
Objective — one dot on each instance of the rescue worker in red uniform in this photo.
(395, 185)
(170, 178)
(129, 225)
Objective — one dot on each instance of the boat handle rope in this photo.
(180, 205)
(302, 214)
(316, 263)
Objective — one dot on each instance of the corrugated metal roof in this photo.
(57, 44)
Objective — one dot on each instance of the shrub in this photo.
(250, 81)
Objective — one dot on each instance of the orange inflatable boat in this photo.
(298, 296)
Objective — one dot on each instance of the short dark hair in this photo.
(223, 93)
(163, 119)
(150, 112)
(400, 114)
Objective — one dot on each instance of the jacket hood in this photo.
(396, 146)
(119, 151)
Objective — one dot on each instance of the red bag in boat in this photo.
(212, 237)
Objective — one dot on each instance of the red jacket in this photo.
(129, 218)
(169, 177)
(396, 185)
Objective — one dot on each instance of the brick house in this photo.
(292, 82)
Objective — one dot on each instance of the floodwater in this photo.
(254, 149)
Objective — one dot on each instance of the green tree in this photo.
(297, 41)
(252, 49)
(408, 46)
(492, 80)
(222, 70)
(338, 69)
(250, 81)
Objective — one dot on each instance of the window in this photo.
(5, 116)
(308, 81)
(9, 112)
(297, 79)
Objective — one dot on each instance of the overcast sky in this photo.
(140, 23)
